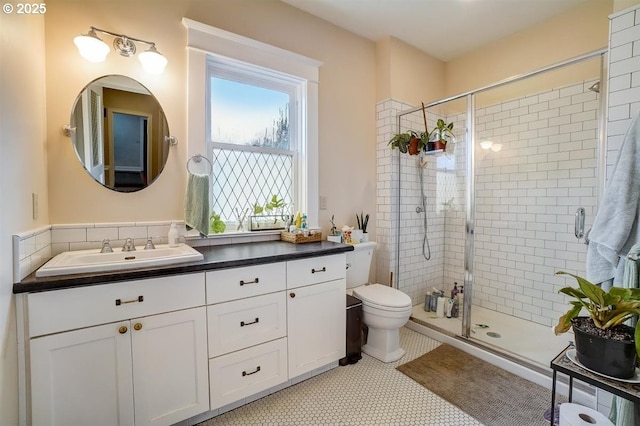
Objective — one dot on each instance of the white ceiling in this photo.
(444, 29)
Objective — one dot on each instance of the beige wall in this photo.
(575, 32)
(23, 171)
(346, 91)
(407, 74)
(619, 5)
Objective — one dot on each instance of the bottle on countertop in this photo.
(461, 299)
(173, 235)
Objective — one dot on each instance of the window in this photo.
(254, 157)
(253, 140)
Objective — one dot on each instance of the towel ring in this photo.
(197, 159)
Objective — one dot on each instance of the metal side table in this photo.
(564, 365)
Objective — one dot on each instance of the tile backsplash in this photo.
(31, 249)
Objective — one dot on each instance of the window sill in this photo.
(195, 240)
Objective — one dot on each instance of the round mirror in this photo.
(120, 133)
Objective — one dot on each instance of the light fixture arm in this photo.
(123, 36)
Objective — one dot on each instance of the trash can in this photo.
(354, 331)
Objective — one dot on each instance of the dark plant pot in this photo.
(439, 145)
(413, 146)
(431, 146)
(610, 357)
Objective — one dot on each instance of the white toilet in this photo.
(384, 308)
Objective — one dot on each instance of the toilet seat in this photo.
(383, 297)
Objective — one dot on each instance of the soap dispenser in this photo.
(173, 235)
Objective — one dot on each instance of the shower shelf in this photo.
(434, 152)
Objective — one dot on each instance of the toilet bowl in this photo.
(384, 311)
(384, 308)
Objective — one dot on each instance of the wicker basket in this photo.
(300, 238)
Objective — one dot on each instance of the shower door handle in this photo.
(579, 225)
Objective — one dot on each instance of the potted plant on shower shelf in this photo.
(603, 342)
(408, 142)
(441, 134)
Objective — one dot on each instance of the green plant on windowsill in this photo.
(216, 225)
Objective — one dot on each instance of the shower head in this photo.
(595, 87)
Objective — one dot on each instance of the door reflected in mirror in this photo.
(121, 133)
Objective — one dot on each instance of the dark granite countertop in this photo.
(215, 257)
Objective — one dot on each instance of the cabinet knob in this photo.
(137, 326)
(292, 295)
(123, 329)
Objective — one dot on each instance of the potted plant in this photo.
(334, 235)
(408, 141)
(216, 225)
(270, 216)
(441, 134)
(363, 221)
(603, 343)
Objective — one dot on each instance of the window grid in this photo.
(242, 178)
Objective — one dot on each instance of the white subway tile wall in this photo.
(526, 198)
(623, 80)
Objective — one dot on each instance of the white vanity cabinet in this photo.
(131, 353)
(316, 314)
(247, 323)
(168, 350)
(272, 323)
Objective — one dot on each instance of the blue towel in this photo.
(196, 203)
(615, 229)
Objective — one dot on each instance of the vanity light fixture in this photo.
(94, 49)
(496, 147)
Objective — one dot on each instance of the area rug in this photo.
(490, 394)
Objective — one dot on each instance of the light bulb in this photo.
(496, 147)
(91, 47)
(152, 61)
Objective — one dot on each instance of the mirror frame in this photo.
(120, 133)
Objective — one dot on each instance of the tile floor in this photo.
(367, 393)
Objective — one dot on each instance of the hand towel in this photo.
(196, 203)
(615, 228)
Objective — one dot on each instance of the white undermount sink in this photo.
(86, 261)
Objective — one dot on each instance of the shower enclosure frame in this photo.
(470, 140)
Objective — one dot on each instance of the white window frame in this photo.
(205, 42)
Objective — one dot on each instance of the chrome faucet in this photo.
(106, 247)
(128, 245)
(149, 245)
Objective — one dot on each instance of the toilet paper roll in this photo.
(579, 415)
(441, 308)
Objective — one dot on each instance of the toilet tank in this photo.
(359, 264)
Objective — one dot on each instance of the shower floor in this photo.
(522, 339)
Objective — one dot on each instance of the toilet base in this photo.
(384, 345)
